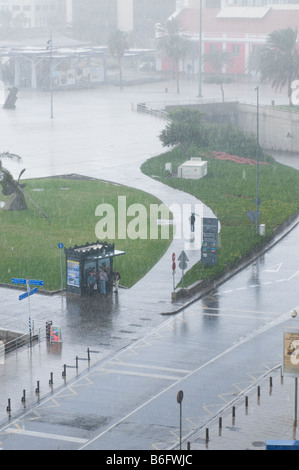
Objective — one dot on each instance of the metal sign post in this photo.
(29, 292)
(179, 399)
(60, 246)
(173, 270)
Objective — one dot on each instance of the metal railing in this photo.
(36, 336)
(146, 108)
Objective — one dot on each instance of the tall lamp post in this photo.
(200, 52)
(257, 199)
(50, 48)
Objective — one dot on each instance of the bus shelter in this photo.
(89, 260)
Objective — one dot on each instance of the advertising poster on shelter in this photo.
(73, 273)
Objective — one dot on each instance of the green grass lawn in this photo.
(229, 190)
(29, 241)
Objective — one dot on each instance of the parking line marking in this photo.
(44, 435)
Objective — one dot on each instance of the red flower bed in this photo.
(234, 158)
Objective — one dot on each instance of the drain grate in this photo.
(258, 444)
(233, 428)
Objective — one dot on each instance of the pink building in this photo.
(237, 29)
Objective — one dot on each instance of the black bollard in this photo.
(64, 371)
(51, 379)
(23, 399)
(37, 388)
(8, 408)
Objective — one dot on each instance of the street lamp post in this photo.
(50, 47)
(200, 52)
(257, 199)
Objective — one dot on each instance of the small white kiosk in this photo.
(195, 168)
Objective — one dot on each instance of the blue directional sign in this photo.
(18, 281)
(25, 295)
(32, 282)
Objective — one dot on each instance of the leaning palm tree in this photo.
(14, 188)
(278, 60)
(10, 156)
(174, 42)
(218, 59)
(117, 45)
(9, 185)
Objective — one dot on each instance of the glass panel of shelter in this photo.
(95, 266)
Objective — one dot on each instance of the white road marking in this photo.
(45, 435)
(294, 275)
(140, 374)
(147, 366)
(273, 269)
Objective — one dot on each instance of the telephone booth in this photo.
(86, 260)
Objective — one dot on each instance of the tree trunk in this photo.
(178, 76)
(120, 73)
(222, 92)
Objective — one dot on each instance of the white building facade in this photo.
(37, 13)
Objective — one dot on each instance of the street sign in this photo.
(253, 216)
(183, 265)
(26, 294)
(180, 396)
(209, 248)
(32, 282)
(18, 281)
(60, 245)
(183, 257)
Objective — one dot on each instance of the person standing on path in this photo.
(103, 280)
(192, 221)
(116, 280)
(91, 282)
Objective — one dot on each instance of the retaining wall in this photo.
(278, 128)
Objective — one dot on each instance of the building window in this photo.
(236, 50)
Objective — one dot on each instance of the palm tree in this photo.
(278, 60)
(218, 59)
(117, 45)
(174, 42)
